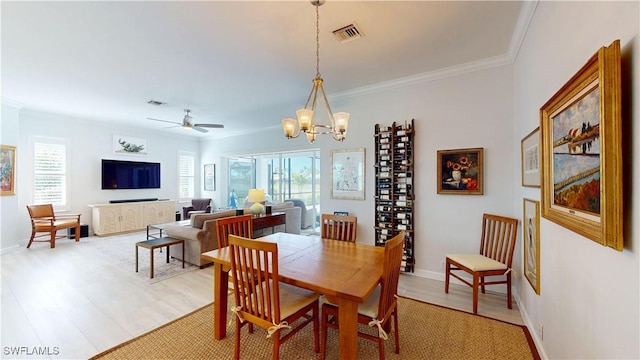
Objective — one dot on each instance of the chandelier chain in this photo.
(317, 42)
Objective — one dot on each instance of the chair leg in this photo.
(380, 348)
(276, 345)
(316, 327)
(395, 328)
(33, 235)
(53, 238)
(237, 348)
(78, 233)
(482, 283)
(323, 335)
(476, 280)
(509, 304)
(446, 277)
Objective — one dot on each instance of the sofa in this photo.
(201, 234)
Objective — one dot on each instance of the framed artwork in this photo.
(128, 145)
(531, 233)
(460, 171)
(530, 159)
(347, 174)
(581, 138)
(210, 177)
(7, 170)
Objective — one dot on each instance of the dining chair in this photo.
(233, 225)
(379, 306)
(262, 300)
(497, 245)
(44, 220)
(339, 227)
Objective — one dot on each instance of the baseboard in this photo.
(9, 249)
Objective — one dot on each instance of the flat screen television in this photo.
(118, 174)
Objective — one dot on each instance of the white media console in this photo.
(122, 217)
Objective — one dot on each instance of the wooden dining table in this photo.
(346, 273)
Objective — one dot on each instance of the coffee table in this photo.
(158, 243)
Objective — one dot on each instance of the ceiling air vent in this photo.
(348, 33)
(155, 103)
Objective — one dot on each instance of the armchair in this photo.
(44, 220)
(198, 206)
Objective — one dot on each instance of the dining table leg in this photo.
(220, 289)
(348, 328)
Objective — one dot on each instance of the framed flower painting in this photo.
(460, 171)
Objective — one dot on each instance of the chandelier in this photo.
(306, 122)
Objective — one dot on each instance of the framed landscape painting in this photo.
(581, 138)
(460, 171)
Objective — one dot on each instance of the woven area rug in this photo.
(426, 332)
(120, 251)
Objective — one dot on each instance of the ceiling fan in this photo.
(187, 123)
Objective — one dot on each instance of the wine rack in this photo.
(395, 196)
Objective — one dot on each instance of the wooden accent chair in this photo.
(496, 254)
(44, 220)
(338, 227)
(262, 300)
(379, 306)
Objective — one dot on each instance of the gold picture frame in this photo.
(460, 171)
(347, 174)
(531, 247)
(530, 159)
(7, 170)
(582, 151)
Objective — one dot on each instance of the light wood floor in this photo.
(72, 303)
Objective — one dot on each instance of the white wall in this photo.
(465, 111)
(589, 300)
(9, 203)
(89, 142)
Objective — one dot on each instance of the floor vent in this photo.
(348, 33)
(155, 103)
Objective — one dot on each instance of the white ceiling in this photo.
(244, 64)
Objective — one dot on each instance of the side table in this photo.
(158, 243)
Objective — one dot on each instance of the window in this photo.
(50, 172)
(186, 180)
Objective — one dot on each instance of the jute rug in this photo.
(426, 332)
(120, 250)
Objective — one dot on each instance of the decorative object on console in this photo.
(7, 170)
(306, 123)
(460, 171)
(129, 145)
(581, 137)
(347, 174)
(256, 196)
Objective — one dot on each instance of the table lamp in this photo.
(256, 196)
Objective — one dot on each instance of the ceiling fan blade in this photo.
(214, 126)
(170, 122)
(198, 128)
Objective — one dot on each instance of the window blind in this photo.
(50, 173)
(186, 169)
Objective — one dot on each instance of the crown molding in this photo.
(519, 33)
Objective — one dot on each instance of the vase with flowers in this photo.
(458, 168)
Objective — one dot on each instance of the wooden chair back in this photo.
(254, 265)
(339, 227)
(233, 225)
(498, 238)
(393, 250)
(40, 211)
